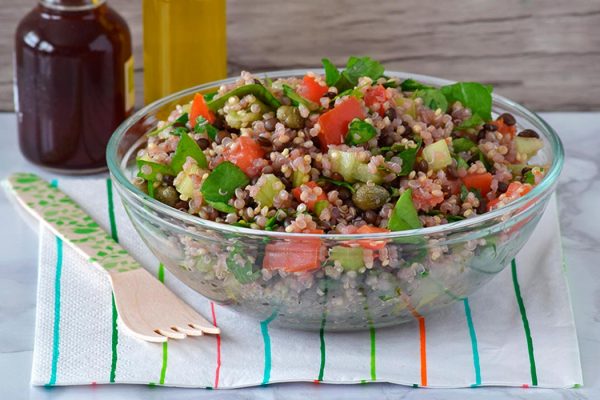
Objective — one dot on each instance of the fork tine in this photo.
(188, 330)
(171, 334)
(149, 336)
(213, 330)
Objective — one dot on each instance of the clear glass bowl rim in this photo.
(522, 204)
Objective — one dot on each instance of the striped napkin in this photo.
(516, 331)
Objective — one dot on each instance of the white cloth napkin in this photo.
(516, 331)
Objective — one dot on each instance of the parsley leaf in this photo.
(357, 67)
(359, 132)
(404, 215)
(187, 147)
(222, 182)
(463, 144)
(470, 123)
(155, 168)
(339, 183)
(529, 178)
(331, 72)
(220, 206)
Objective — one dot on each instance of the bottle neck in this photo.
(71, 5)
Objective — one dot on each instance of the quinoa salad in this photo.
(350, 151)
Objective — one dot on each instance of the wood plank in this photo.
(543, 54)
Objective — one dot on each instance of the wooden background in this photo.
(543, 53)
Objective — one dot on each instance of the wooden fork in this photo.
(147, 308)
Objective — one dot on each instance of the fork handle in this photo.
(67, 220)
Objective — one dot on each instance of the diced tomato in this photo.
(311, 89)
(376, 94)
(505, 129)
(334, 123)
(521, 189)
(294, 255)
(243, 152)
(454, 186)
(371, 244)
(424, 200)
(199, 108)
(481, 182)
(310, 204)
(492, 203)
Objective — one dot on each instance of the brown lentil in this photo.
(528, 133)
(508, 119)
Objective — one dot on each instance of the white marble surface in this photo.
(578, 193)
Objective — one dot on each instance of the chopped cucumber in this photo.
(351, 258)
(528, 145)
(270, 187)
(346, 164)
(183, 183)
(437, 155)
(243, 118)
(299, 178)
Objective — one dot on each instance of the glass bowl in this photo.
(414, 273)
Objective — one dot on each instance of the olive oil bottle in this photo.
(184, 45)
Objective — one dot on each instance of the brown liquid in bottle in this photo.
(73, 83)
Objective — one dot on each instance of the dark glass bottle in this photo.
(73, 83)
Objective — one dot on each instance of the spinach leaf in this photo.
(472, 95)
(391, 83)
(151, 189)
(471, 123)
(464, 192)
(460, 163)
(359, 132)
(408, 157)
(433, 99)
(187, 147)
(297, 99)
(404, 215)
(256, 89)
(222, 182)
(240, 266)
(410, 85)
(463, 144)
(202, 126)
(331, 72)
(155, 168)
(271, 223)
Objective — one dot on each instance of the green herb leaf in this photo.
(404, 215)
(391, 83)
(297, 99)
(529, 178)
(454, 218)
(151, 189)
(271, 223)
(433, 99)
(223, 207)
(461, 164)
(464, 192)
(462, 145)
(485, 162)
(473, 122)
(472, 95)
(338, 183)
(183, 118)
(202, 126)
(156, 168)
(409, 157)
(179, 131)
(222, 182)
(357, 67)
(359, 132)
(332, 74)
(187, 147)
(209, 96)
(256, 89)
(410, 85)
(240, 266)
